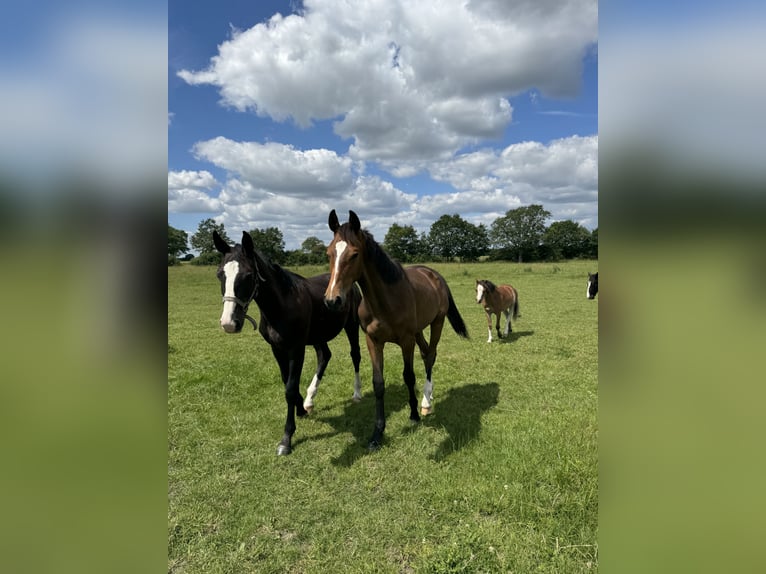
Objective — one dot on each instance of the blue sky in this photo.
(400, 111)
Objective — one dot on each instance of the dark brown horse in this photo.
(397, 305)
(293, 315)
(497, 299)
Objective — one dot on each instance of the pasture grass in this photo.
(502, 477)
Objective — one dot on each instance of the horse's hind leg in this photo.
(323, 357)
(426, 405)
(352, 332)
(508, 327)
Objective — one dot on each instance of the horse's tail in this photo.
(454, 317)
(516, 313)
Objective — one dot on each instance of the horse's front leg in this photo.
(292, 397)
(408, 356)
(379, 387)
(489, 326)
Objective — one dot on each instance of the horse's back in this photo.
(431, 293)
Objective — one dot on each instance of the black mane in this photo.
(489, 285)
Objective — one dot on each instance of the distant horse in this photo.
(592, 285)
(497, 299)
(397, 305)
(293, 315)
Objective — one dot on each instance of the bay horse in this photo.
(397, 304)
(592, 285)
(293, 315)
(498, 299)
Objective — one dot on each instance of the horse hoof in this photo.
(425, 411)
(373, 446)
(356, 399)
(283, 450)
(309, 409)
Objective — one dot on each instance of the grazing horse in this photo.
(293, 315)
(592, 285)
(397, 305)
(497, 299)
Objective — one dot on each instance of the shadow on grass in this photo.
(459, 413)
(514, 336)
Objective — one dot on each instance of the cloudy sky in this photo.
(280, 111)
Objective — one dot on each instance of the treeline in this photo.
(520, 235)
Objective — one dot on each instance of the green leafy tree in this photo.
(452, 236)
(177, 241)
(520, 231)
(270, 242)
(593, 244)
(202, 240)
(567, 239)
(315, 250)
(402, 242)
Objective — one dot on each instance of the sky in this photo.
(281, 111)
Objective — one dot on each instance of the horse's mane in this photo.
(390, 270)
(489, 285)
(271, 270)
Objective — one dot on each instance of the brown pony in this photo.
(397, 305)
(497, 299)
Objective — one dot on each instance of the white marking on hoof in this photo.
(283, 450)
(357, 389)
(308, 402)
(425, 404)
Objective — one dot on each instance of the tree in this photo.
(402, 242)
(567, 239)
(593, 244)
(520, 230)
(177, 241)
(452, 236)
(270, 243)
(315, 250)
(203, 239)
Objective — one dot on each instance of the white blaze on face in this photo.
(479, 292)
(340, 247)
(587, 290)
(230, 271)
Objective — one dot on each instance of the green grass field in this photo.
(502, 477)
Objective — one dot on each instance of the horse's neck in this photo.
(377, 293)
(270, 294)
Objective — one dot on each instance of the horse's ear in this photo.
(220, 244)
(247, 243)
(333, 222)
(353, 221)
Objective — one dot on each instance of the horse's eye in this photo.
(353, 256)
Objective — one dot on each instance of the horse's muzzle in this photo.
(334, 304)
(234, 326)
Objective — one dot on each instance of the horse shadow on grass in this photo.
(458, 412)
(514, 336)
